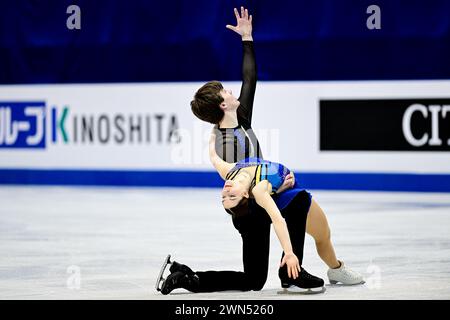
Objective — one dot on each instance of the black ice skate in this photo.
(304, 284)
(175, 266)
(181, 276)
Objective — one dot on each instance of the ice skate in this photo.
(179, 279)
(181, 276)
(175, 266)
(344, 276)
(304, 284)
(160, 278)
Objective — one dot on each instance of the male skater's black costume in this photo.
(232, 145)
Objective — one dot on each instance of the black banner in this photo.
(297, 307)
(385, 125)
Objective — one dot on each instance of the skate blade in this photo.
(340, 284)
(296, 290)
(160, 278)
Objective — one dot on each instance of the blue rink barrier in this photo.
(210, 179)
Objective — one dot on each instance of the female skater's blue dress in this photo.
(273, 172)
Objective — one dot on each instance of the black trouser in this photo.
(255, 232)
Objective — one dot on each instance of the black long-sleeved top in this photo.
(237, 143)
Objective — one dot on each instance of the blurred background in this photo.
(110, 84)
(336, 79)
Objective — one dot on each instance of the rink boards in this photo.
(361, 135)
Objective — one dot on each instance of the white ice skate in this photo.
(344, 275)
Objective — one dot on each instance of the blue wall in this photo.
(210, 179)
(181, 40)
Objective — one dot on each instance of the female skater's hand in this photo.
(212, 146)
(212, 137)
(293, 265)
(288, 183)
(244, 24)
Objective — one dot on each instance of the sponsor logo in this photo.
(385, 125)
(22, 125)
(33, 125)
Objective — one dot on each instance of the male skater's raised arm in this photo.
(249, 78)
(232, 116)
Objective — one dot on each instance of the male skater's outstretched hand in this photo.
(244, 24)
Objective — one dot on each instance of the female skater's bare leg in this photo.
(317, 226)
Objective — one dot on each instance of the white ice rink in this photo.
(109, 243)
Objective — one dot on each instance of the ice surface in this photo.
(109, 243)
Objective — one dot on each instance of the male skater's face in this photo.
(232, 193)
(229, 101)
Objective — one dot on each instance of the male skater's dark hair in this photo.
(206, 103)
(239, 210)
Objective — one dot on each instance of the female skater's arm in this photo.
(248, 88)
(261, 192)
(221, 166)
